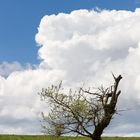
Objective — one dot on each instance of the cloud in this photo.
(75, 42)
(19, 100)
(82, 46)
(7, 68)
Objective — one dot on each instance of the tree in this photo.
(84, 112)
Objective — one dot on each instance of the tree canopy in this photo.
(84, 112)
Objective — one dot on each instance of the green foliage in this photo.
(79, 106)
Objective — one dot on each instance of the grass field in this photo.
(22, 137)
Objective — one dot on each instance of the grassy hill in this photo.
(22, 137)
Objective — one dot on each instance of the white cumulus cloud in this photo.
(7, 68)
(82, 46)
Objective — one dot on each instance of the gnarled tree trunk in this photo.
(109, 110)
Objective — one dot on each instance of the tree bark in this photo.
(109, 110)
(96, 138)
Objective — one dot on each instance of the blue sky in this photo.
(19, 20)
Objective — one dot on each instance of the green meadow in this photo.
(22, 137)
